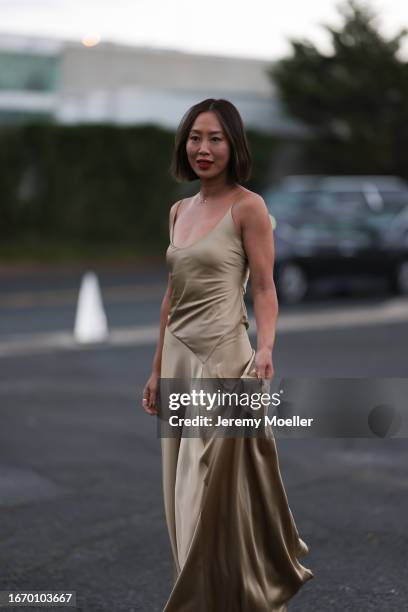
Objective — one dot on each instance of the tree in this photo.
(355, 99)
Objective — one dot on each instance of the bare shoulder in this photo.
(173, 209)
(174, 206)
(250, 209)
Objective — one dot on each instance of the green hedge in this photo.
(96, 184)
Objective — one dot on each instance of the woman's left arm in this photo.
(257, 236)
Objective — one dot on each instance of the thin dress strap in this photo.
(174, 219)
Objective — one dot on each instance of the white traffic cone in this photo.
(90, 320)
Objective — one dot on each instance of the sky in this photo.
(255, 29)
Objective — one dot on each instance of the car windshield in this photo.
(282, 202)
(394, 201)
(342, 203)
(376, 207)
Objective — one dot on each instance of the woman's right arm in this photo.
(164, 311)
(150, 388)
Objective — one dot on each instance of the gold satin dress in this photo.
(234, 541)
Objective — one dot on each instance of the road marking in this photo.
(395, 310)
(29, 299)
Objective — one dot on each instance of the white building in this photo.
(71, 83)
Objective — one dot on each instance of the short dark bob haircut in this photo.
(240, 162)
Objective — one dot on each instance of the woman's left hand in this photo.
(263, 363)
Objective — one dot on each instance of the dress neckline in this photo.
(200, 239)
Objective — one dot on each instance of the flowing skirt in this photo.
(234, 541)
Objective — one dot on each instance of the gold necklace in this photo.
(202, 200)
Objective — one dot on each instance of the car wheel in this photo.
(399, 280)
(292, 283)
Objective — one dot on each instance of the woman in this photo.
(234, 541)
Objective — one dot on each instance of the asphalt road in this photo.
(80, 475)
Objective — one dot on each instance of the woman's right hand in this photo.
(150, 394)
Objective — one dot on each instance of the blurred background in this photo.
(90, 96)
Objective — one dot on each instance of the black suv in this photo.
(338, 227)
